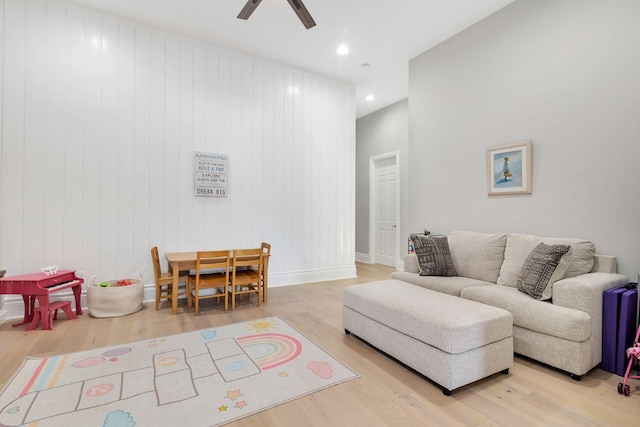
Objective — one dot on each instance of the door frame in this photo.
(372, 203)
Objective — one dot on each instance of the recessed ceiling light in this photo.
(370, 98)
(343, 49)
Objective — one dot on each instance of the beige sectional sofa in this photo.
(564, 332)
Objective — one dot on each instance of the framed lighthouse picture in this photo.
(509, 169)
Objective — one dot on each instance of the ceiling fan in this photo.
(297, 6)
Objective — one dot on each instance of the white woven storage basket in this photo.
(115, 300)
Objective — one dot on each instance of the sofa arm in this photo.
(584, 292)
(411, 264)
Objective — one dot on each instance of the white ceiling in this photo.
(383, 33)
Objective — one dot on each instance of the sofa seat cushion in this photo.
(519, 246)
(446, 285)
(477, 255)
(528, 313)
(451, 324)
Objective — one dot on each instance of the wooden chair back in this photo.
(246, 273)
(155, 258)
(164, 280)
(212, 272)
(266, 248)
(212, 260)
(266, 254)
(248, 258)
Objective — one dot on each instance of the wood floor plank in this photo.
(439, 410)
(384, 405)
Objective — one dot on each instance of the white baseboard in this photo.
(13, 307)
(364, 258)
(360, 257)
(310, 276)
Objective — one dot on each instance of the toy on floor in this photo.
(633, 353)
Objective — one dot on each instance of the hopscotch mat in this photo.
(202, 378)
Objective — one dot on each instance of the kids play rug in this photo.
(202, 378)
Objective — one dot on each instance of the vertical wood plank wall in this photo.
(100, 117)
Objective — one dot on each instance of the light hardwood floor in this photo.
(387, 393)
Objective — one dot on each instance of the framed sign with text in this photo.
(210, 173)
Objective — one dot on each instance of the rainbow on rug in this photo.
(202, 378)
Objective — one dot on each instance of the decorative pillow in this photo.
(545, 265)
(434, 258)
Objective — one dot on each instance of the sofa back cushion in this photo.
(477, 255)
(519, 246)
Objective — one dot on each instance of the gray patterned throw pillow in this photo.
(434, 258)
(545, 265)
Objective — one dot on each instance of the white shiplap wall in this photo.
(100, 117)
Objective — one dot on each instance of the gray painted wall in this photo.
(381, 132)
(563, 74)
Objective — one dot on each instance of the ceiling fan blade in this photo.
(302, 12)
(248, 9)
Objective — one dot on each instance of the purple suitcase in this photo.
(610, 315)
(618, 326)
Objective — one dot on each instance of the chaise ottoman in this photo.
(448, 339)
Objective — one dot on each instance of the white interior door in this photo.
(386, 174)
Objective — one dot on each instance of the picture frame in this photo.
(509, 169)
